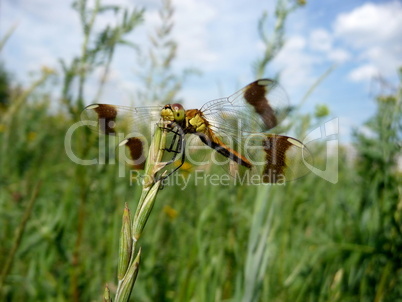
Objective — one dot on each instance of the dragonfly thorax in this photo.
(196, 123)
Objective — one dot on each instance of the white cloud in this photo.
(296, 43)
(370, 35)
(320, 40)
(190, 30)
(363, 73)
(374, 32)
(338, 55)
(297, 64)
(370, 23)
(43, 11)
(192, 20)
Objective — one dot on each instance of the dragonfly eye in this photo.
(179, 112)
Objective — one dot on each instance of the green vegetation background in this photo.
(308, 241)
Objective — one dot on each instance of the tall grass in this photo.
(307, 241)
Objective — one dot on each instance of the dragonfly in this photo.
(236, 128)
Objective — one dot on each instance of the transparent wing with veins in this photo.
(258, 107)
(239, 121)
(111, 119)
(133, 127)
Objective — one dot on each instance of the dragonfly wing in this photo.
(278, 158)
(269, 158)
(135, 153)
(111, 119)
(132, 125)
(257, 107)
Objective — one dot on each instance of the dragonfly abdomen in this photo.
(224, 150)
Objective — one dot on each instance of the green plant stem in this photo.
(9, 118)
(7, 36)
(84, 54)
(382, 286)
(151, 186)
(104, 77)
(83, 184)
(19, 233)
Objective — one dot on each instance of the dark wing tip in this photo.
(104, 115)
(285, 158)
(135, 147)
(256, 95)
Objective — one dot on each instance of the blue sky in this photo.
(363, 39)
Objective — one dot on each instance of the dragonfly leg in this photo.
(175, 169)
(178, 133)
(179, 149)
(172, 147)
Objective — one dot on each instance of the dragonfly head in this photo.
(173, 112)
